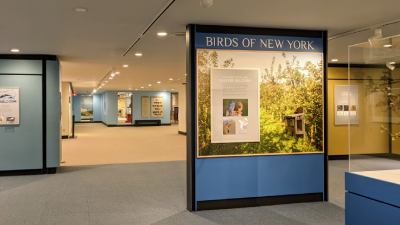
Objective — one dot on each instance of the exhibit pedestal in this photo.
(373, 197)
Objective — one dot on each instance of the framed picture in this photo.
(145, 100)
(9, 106)
(346, 104)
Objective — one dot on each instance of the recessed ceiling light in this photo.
(171, 79)
(149, 85)
(125, 65)
(141, 87)
(158, 82)
(110, 78)
(185, 74)
(334, 60)
(138, 54)
(117, 73)
(387, 45)
(206, 3)
(14, 50)
(162, 34)
(81, 9)
(136, 89)
(94, 90)
(172, 89)
(113, 74)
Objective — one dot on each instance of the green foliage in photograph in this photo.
(285, 90)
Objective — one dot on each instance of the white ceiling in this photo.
(91, 44)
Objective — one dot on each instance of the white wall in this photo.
(182, 108)
(66, 109)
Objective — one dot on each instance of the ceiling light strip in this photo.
(359, 30)
(148, 27)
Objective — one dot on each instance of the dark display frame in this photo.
(192, 204)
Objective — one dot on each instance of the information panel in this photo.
(346, 104)
(235, 105)
(259, 94)
(9, 106)
(157, 106)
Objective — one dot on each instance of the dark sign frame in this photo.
(191, 86)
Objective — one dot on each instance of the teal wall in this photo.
(53, 119)
(137, 105)
(22, 145)
(110, 108)
(97, 100)
(97, 109)
(76, 107)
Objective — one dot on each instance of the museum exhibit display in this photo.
(9, 106)
(124, 107)
(373, 181)
(30, 114)
(86, 107)
(256, 98)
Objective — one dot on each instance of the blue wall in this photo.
(241, 177)
(137, 105)
(22, 145)
(97, 110)
(97, 100)
(53, 110)
(110, 108)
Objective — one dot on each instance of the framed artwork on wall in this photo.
(9, 106)
(145, 103)
(346, 104)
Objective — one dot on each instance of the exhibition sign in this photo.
(259, 94)
(9, 106)
(145, 100)
(346, 104)
(157, 106)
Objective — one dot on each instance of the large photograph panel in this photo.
(281, 114)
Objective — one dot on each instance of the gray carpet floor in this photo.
(137, 193)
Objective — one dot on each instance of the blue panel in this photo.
(97, 103)
(110, 108)
(373, 188)
(137, 105)
(76, 107)
(258, 42)
(53, 106)
(18, 66)
(21, 146)
(243, 177)
(364, 211)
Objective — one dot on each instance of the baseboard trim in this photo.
(182, 132)
(88, 122)
(378, 155)
(338, 157)
(259, 201)
(28, 172)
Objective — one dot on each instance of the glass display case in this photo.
(370, 104)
